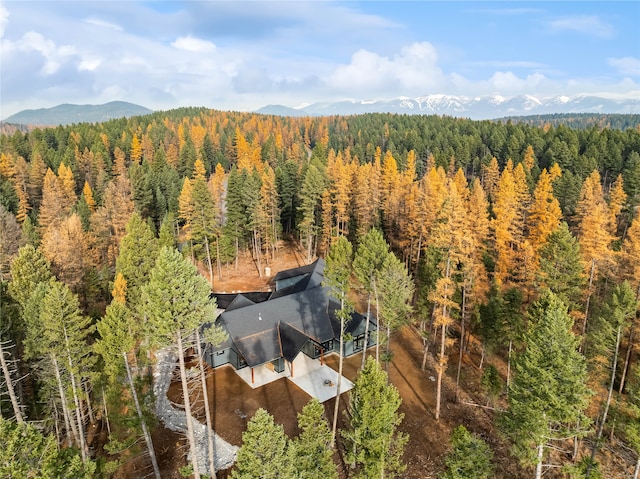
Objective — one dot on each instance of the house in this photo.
(296, 324)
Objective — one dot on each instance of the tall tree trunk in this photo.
(68, 423)
(207, 410)
(425, 353)
(206, 247)
(442, 357)
(187, 408)
(636, 471)
(106, 412)
(257, 251)
(338, 386)
(509, 365)
(9, 381)
(145, 431)
(76, 400)
(462, 311)
(440, 371)
(596, 443)
(218, 262)
(586, 309)
(366, 332)
(85, 387)
(627, 357)
(375, 292)
(539, 461)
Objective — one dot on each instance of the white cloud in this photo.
(413, 70)
(54, 56)
(587, 24)
(89, 64)
(507, 64)
(507, 82)
(192, 44)
(103, 23)
(626, 65)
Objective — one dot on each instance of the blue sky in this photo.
(244, 55)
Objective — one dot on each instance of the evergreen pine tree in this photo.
(312, 456)
(373, 443)
(548, 394)
(470, 457)
(264, 453)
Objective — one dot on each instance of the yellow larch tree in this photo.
(491, 177)
(341, 181)
(67, 186)
(88, 196)
(23, 204)
(407, 216)
(109, 221)
(37, 170)
(506, 211)
(529, 160)
(135, 153)
(119, 292)
(119, 167)
(449, 236)
(544, 213)
(389, 186)
(364, 208)
(185, 207)
(629, 265)
(617, 201)
(7, 166)
(523, 195)
(66, 246)
(54, 205)
(243, 152)
(594, 234)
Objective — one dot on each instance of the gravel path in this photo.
(176, 419)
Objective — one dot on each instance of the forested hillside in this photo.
(525, 239)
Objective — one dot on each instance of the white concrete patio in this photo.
(261, 375)
(317, 380)
(321, 383)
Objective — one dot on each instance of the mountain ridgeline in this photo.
(68, 114)
(476, 108)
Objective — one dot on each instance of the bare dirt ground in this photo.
(234, 402)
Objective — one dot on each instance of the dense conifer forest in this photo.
(524, 237)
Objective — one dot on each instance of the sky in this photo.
(244, 55)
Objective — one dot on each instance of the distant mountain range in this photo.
(67, 114)
(477, 108)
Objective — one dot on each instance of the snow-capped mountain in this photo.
(477, 108)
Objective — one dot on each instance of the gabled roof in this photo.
(300, 309)
(239, 301)
(306, 311)
(299, 279)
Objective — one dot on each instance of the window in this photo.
(327, 346)
(358, 342)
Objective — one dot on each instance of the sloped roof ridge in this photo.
(239, 301)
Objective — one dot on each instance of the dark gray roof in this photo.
(317, 266)
(239, 301)
(291, 340)
(280, 326)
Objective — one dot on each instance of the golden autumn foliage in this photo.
(544, 213)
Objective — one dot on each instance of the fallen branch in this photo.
(482, 406)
